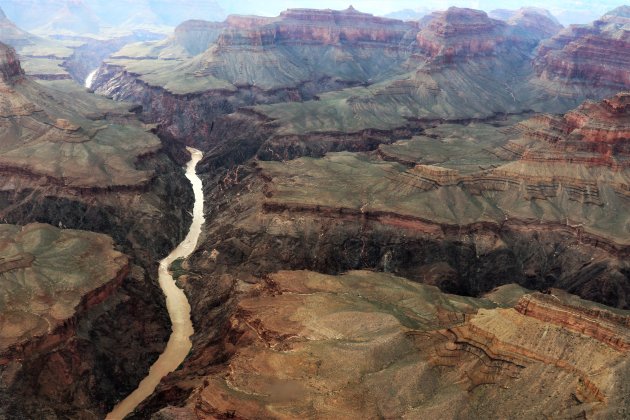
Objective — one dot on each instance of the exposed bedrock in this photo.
(302, 53)
(189, 118)
(253, 235)
(85, 163)
(597, 54)
(113, 344)
(89, 56)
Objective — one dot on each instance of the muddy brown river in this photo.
(179, 343)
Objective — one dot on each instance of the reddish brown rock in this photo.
(597, 54)
(596, 133)
(364, 343)
(467, 32)
(311, 26)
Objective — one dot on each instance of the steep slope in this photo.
(596, 54)
(304, 52)
(550, 186)
(441, 208)
(77, 161)
(251, 60)
(384, 346)
(42, 57)
(476, 67)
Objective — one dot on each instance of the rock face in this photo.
(460, 33)
(423, 200)
(386, 346)
(77, 161)
(596, 54)
(596, 133)
(49, 277)
(249, 60)
(401, 160)
(10, 69)
(301, 53)
(309, 26)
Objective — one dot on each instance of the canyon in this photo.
(75, 161)
(391, 219)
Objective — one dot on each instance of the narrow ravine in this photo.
(179, 343)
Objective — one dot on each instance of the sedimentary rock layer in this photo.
(596, 54)
(77, 161)
(50, 277)
(293, 338)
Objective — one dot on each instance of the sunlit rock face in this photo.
(295, 338)
(597, 54)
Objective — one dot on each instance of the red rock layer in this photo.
(309, 26)
(600, 324)
(596, 133)
(467, 32)
(598, 54)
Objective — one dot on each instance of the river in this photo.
(90, 79)
(179, 343)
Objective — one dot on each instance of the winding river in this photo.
(90, 79)
(179, 343)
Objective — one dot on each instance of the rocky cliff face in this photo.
(250, 60)
(76, 161)
(301, 53)
(595, 54)
(293, 338)
(596, 133)
(308, 26)
(460, 32)
(10, 68)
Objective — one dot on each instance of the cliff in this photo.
(596, 54)
(10, 68)
(77, 161)
(294, 337)
(64, 274)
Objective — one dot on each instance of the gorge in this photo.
(420, 219)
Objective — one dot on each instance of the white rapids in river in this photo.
(179, 343)
(90, 79)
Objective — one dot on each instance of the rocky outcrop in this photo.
(315, 27)
(77, 161)
(596, 54)
(10, 68)
(601, 324)
(294, 337)
(63, 282)
(254, 60)
(458, 34)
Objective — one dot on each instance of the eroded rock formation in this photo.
(301, 343)
(76, 161)
(596, 54)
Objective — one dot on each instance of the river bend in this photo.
(179, 343)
